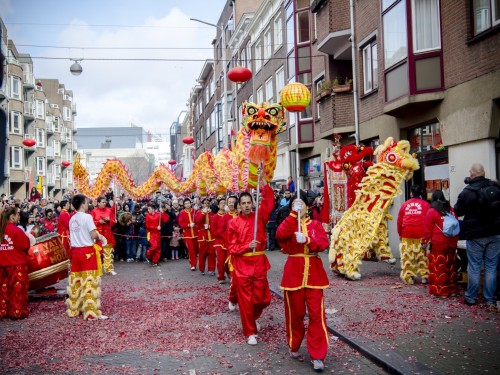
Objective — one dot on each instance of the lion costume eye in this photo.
(251, 110)
(272, 111)
(391, 157)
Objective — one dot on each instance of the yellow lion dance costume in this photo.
(363, 224)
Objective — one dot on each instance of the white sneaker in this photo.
(113, 273)
(252, 340)
(100, 317)
(424, 280)
(231, 306)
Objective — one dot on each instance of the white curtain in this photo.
(426, 28)
(482, 17)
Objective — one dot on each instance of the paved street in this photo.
(169, 320)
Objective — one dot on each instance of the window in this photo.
(370, 68)
(212, 86)
(318, 86)
(200, 107)
(258, 56)
(57, 124)
(267, 44)
(68, 135)
(289, 28)
(280, 79)
(243, 57)
(260, 95)
(278, 32)
(57, 148)
(69, 155)
(269, 90)
(249, 55)
(250, 99)
(485, 14)
(303, 27)
(67, 113)
(57, 171)
(16, 123)
(40, 137)
(16, 157)
(40, 109)
(207, 125)
(207, 94)
(290, 64)
(40, 166)
(426, 25)
(15, 87)
(395, 37)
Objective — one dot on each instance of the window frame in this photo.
(278, 32)
(258, 55)
(373, 76)
(40, 137)
(269, 82)
(40, 109)
(259, 95)
(268, 45)
(17, 94)
(19, 128)
(280, 70)
(12, 157)
(40, 162)
(414, 32)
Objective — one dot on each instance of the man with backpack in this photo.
(479, 203)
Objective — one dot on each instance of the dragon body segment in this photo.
(229, 170)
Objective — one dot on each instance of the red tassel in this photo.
(258, 154)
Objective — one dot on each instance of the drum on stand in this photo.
(48, 262)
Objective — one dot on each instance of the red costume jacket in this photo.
(228, 216)
(411, 218)
(14, 247)
(201, 219)
(218, 229)
(303, 269)
(240, 234)
(105, 228)
(63, 224)
(433, 231)
(185, 218)
(153, 221)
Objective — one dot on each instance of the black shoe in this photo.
(469, 303)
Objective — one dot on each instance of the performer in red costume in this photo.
(104, 219)
(355, 161)
(442, 257)
(219, 232)
(84, 289)
(153, 228)
(411, 219)
(63, 226)
(249, 260)
(189, 231)
(206, 248)
(232, 212)
(14, 279)
(303, 281)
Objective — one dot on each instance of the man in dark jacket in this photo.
(483, 239)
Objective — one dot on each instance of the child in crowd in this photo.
(175, 241)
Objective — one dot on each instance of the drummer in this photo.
(13, 266)
(84, 288)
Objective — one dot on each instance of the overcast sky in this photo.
(114, 93)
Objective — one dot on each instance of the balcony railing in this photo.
(28, 80)
(50, 179)
(49, 152)
(64, 183)
(29, 110)
(73, 108)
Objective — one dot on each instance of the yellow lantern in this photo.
(295, 97)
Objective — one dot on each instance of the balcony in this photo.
(337, 114)
(64, 183)
(73, 108)
(50, 179)
(3, 94)
(49, 153)
(49, 125)
(29, 111)
(28, 81)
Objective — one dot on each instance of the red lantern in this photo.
(239, 74)
(29, 142)
(188, 140)
(65, 163)
(172, 162)
(295, 97)
(39, 84)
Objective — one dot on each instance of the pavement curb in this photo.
(389, 360)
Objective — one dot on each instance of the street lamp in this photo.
(224, 74)
(75, 68)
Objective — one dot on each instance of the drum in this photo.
(48, 262)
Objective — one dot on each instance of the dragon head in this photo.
(350, 155)
(262, 122)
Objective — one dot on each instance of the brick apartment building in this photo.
(41, 111)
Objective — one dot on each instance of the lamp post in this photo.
(224, 78)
